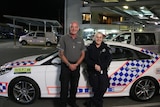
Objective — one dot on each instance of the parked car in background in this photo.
(6, 35)
(133, 72)
(146, 39)
(38, 38)
(110, 36)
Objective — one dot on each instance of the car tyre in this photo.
(143, 89)
(24, 43)
(23, 90)
(48, 44)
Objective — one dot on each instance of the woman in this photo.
(98, 59)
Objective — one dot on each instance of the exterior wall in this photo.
(94, 17)
(72, 13)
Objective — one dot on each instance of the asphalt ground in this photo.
(10, 51)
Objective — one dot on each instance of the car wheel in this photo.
(23, 90)
(143, 89)
(48, 44)
(24, 43)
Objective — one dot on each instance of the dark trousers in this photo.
(99, 84)
(69, 83)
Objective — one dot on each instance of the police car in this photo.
(133, 72)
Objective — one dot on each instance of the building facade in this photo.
(93, 19)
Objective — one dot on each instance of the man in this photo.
(98, 58)
(72, 52)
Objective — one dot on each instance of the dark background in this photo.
(43, 9)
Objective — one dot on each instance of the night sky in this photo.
(43, 9)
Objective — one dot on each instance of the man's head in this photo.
(74, 28)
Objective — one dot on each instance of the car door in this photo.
(30, 37)
(39, 38)
(121, 69)
(52, 76)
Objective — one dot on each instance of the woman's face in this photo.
(98, 38)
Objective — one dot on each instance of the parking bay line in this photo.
(141, 105)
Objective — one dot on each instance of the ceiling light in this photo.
(130, 0)
(125, 7)
(85, 2)
(142, 7)
(111, 0)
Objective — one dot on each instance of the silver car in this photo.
(38, 38)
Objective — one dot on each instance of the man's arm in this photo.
(63, 58)
(81, 58)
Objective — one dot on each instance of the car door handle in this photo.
(132, 68)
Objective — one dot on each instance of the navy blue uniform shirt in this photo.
(100, 56)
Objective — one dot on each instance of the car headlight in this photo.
(4, 70)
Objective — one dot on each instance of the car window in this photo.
(39, 58)
(125, 38)
(120, 53)
(145, 38)
(31, 34)
(111, 35)
(142, 55)
(40, 35)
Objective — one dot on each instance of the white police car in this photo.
(134, 72)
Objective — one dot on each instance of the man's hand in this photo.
(73, 67)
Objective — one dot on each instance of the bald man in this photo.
(72, 52)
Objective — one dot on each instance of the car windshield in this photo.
(39, 58)
(111, 35)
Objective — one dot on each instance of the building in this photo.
(107, 17)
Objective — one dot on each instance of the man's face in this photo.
(74, 28)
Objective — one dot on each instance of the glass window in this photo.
(125, 38)
(31, 34)
(121, 53)
(142, 55)
(40, 35)
(86, 18)
(145, 38)
(111, 35)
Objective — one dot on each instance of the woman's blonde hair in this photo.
(97, 33)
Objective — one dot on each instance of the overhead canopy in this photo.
(34, 21)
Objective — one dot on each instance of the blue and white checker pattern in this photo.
(84, 90)
(156, 56)
(20, 63)
(3, 87)
(125, 74)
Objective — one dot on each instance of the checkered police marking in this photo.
(84, 90)
(3, 87)
(132, 70)
(20, 63)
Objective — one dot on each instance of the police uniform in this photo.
(98, 80)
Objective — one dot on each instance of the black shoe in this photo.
(89, 104)
(73, 104)
(63, 105)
